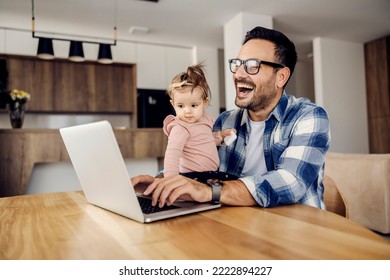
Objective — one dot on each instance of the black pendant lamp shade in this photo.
(105, 55)
(76, 52)
(45, 48)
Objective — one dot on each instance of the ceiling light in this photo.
(76, 52)
(45, 48)
(105, 55)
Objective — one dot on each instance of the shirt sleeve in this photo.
(299, 161)
(177, 139)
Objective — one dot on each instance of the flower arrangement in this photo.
(16, 106)
(18, 95)
(13, 98)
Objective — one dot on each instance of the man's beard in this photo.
(260, 101)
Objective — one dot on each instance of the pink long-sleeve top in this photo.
(191, 147)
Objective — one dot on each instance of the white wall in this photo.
(340, 87)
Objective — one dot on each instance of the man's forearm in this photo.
(236, 193)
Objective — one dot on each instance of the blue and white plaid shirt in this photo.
(296, 139)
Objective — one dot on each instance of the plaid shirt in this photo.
(296, 139)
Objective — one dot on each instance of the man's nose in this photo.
(240, 71)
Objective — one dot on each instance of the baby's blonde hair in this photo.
(194, 77)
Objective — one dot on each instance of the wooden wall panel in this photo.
(377, 63)
(377, 77)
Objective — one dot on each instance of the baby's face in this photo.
(189, 106)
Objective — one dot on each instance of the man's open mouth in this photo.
(244, 88)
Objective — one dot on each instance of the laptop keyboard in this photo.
(148, 208)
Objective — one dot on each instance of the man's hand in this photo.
(141, 182)
(167, 190)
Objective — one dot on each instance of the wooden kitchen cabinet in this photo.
(34, 76)
(120, 83)
(62, 86)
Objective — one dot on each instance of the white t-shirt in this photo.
(254, 160)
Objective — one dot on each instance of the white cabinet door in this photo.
(178, 59)
(124, 52)
(13, 45)
(2, 36)
(157, 65)
(151, 66)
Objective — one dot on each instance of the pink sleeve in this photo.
(177, 139)
(218, 138)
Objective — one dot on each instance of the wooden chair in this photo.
(334, 200)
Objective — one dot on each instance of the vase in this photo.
(16, 114)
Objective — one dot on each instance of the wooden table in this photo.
(65, 226)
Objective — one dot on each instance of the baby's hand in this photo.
(227, 132)
(230, 136)
(223, 135)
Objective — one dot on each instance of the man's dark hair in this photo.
(285, 52)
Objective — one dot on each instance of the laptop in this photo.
(102, 172)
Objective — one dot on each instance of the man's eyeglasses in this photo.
(251, 66)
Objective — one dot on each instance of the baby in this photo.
(192, 146)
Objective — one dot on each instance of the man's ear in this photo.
(282, 77)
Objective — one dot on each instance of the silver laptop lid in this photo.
(100, 168)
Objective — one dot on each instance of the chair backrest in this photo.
(364, 182)
(334, 200)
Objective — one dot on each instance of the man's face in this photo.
(257, 92)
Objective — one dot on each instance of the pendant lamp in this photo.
(105, 55)
(76, 52)
(45, 48)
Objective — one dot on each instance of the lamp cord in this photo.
(33, 16)
(115, 22)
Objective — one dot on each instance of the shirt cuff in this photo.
(250, 185)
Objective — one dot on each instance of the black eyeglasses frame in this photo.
(243, 62)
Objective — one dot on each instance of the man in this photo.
(281, 143)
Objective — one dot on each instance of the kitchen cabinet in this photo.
(62, 86)
(177, 60)
(34, 76)
(150, 66)
(124, 52)
(157, 65)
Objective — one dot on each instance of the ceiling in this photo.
(200, 22)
